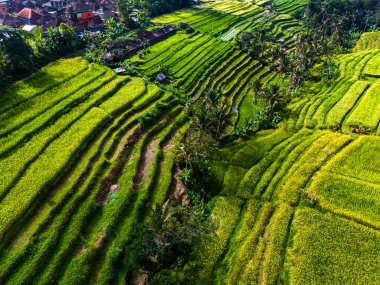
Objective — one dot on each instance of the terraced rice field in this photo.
(81, 159)
(198, 63)
(350, 100)
(86, 154)
(226, 19)
(294, 208)
(206, 60)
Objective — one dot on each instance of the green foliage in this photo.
(60, 40)
(330, 69)
(16, 57)
(170, 236)
(186, 27)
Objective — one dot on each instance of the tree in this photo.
(273, 96)
(330, 69)
(16, 56)
(168, 239)
(271, 7)
(212, 115)
(194, 153)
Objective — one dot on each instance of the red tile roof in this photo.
(28, 13)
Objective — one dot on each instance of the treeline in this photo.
(22, 53)
(343, 15)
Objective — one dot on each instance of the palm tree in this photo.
(273, 96)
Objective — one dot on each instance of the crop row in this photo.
(224, 69)
(344, 101)
(325, 250)
(273, 170)
(98, 136)
(30, 109)
(52, 75)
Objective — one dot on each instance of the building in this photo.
(81, 16)
(28, 16)
(4, 6)
(55, 4)
(79, 13)
(29, 28)
(104, 13)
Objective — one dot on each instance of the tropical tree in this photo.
(330, 69)
(273, 96)
(16, 56)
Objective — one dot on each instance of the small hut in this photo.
(161, 78)
(119, 71)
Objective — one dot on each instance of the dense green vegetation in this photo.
(224, 173)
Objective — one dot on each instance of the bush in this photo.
(16, 56)
(169, 238)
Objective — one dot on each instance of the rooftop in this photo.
(28, 13)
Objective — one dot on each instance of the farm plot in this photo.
(262, 183)
(349, 185)
(331, 250)
(198, 63)
(349, 101)
(81, 168)
(227, 19)
(71, 174)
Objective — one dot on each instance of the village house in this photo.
(79, 12)
(86, 15)
(4, 6)
(29, 16)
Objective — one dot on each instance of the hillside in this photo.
(86, 156)
(352, 100)
(78, 164)
(293, 208)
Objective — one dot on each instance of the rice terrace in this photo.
(193, 142)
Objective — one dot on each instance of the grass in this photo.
(21, 135)
(206, 254)
(29, 110)
(360, 160)
(296, 179)
(337, 113)
(275, 240)
(340, 103)
(244, 243)
(349, 197)
(369, 41)
(13, 166)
